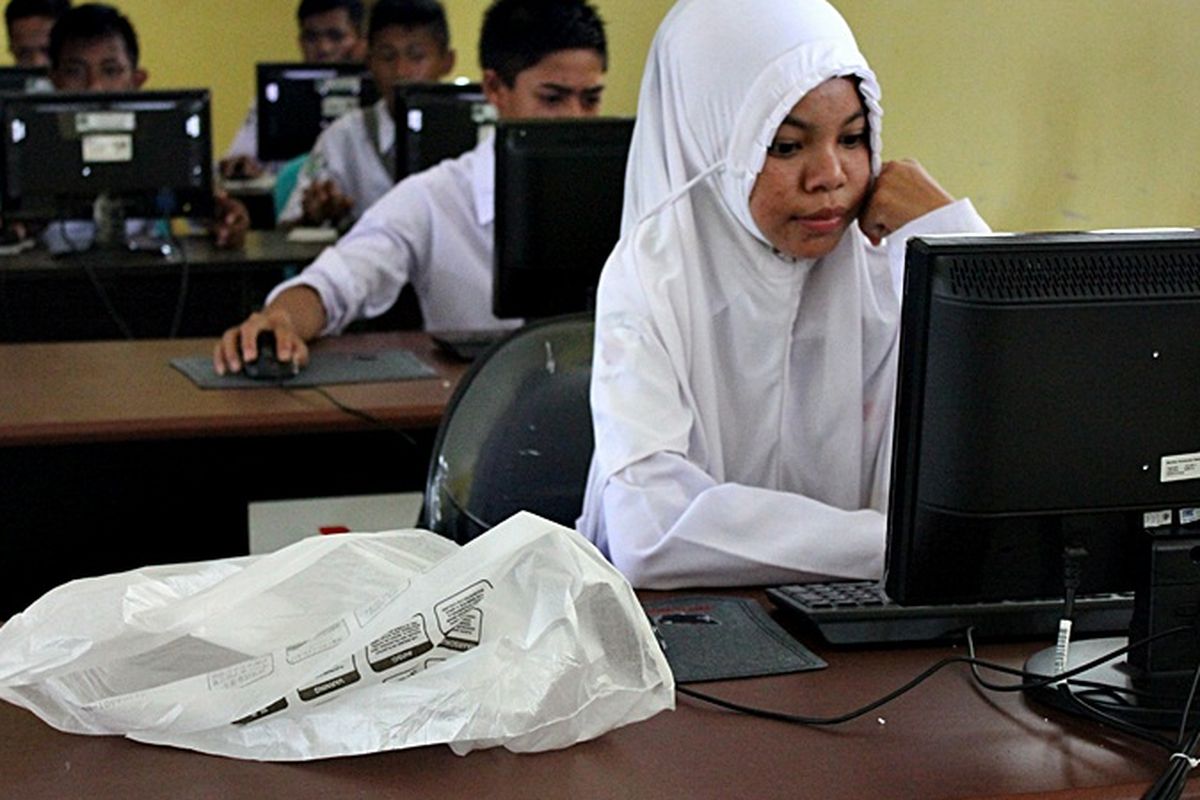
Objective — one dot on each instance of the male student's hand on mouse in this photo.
(902, 192)
(324, 202)
(238, 344)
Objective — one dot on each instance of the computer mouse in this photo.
(268, 366)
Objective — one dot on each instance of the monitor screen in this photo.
(296, 101)
(559, 189)
(151, 152)
(438, 121)
(1048, 398)
(25, 79)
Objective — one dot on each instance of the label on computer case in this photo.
(1156, 519)
(1188, 515)
(106, 148)
(1185, 467)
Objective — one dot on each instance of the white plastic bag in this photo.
(347, 644)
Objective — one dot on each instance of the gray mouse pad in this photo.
(718, 638)
(323, 369)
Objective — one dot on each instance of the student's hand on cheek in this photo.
(902, 192)
(232, 220)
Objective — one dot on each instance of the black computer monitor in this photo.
(1049, 398)
(559, 189)
(147, 154)
(437, 121)
(296, 101)
(25, 79)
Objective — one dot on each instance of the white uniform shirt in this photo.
(345, 154)
(742, 400)
(433, 229)
(245, 141)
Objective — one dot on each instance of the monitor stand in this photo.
(108, 214)
(1143, 701)
(1152, 682)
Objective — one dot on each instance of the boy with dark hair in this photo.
(329, 31)
(353, 161)
(29, 23)
(434, 229)
(93, 47)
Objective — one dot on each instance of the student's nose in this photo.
(823, 170)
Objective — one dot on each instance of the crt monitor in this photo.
(148, 153)
(296, 101)
(1048, 402)
(437, 121)
(25, 79)
(559, 189)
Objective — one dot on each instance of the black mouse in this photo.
(267, 366)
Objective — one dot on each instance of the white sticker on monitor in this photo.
(93, 121)
(107, 148)
(1156, 519)
(1185, 467)
(337, 105)
(343, 84)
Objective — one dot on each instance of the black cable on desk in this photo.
(1030, 681)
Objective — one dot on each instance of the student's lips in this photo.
(825, 221)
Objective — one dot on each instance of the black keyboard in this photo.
(859, 612)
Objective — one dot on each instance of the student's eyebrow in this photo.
(796, 122)
(558, 87)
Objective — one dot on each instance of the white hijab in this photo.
(767, 356)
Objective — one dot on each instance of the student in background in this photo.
(540, 58)
(353, 162)
(29, 23)
(94, 48)
(330, 32)
(747, 321)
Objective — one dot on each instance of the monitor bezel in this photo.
(268, 147)
(517, 286)
(912, 576)
(195, 200)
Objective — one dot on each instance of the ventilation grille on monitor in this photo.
(1046, 276)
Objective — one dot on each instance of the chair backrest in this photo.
(517, 435)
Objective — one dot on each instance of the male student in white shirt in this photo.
(540, 58)
(352, 164)
(330, 32)
(94, 48)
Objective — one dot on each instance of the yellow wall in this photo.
(1050, 114)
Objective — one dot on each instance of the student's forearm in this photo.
(302, 307)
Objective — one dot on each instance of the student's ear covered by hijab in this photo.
(742, 384)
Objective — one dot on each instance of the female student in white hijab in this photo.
(746, 326)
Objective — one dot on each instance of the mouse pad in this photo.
(323, 369)
(718, 638)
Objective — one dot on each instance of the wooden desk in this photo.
(43, 298)
(943, 740)
(110, 458)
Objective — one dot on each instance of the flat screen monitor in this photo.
(1048, 398)
(25, 79)
(438, 121)
(559, 189)
(296, 101)
(149, 153)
